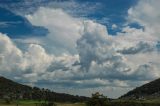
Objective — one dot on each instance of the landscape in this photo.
(79, 53)
(22, 95)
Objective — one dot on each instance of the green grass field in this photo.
(154, 102)
(70, 104)
(33, 103)
(58, 104)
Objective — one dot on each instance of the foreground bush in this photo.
(97, 100)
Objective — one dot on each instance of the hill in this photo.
(149, 90)
(14, 90)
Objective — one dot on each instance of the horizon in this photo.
(80, 47)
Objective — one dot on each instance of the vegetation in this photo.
(37, 103)
(12, 91)
(14, 94)
(149, 90)
(98, 100)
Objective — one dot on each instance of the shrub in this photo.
(7, 100)
(97, 100)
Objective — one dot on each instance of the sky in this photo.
(80, 46)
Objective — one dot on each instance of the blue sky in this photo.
(80, 46)
(18, 26)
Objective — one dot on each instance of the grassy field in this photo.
(70, 104)
(154, 102)
(58, 104)
(33, 103)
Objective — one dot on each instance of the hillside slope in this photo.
(15, 90)
(8, 86)
(151, 89)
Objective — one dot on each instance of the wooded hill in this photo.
(149, 90)
(13, 90)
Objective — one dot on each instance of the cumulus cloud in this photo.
(92, 44)
(141, 47)
(14, 61)
(8, 53)
(148, 69)
(98, 58)
(146, 14)
(64, 29)
(114, 26)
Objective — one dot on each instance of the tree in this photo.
(98, 99)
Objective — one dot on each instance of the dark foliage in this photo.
(98, 100)
(148, 89)
(15, 90)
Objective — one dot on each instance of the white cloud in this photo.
(9, 53)
(14, 61)
(146, 13)
(114, 26)
(98, 58)
(37, 58)
(64, 29)
(146, 72)
(141, 47)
